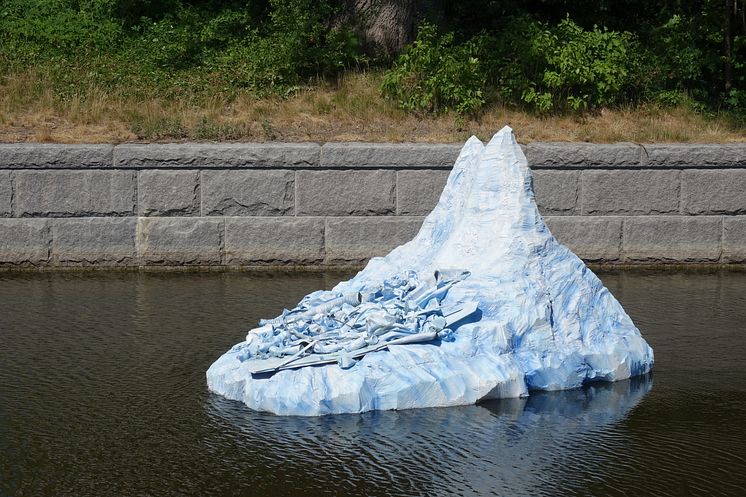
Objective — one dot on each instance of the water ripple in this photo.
(102, 392)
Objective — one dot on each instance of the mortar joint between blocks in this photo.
(201, 192)
(11, 176)
(397, 212)
(295, 193)
(644, 156)
(137, 193)
(622, 245)
(722, 238)
(326, 240)
(221, 241)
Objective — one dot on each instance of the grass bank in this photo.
(32, 109)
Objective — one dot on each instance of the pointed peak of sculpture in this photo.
(504, 138)
(506, 130)
(472, 141)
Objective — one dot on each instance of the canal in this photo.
(102, 392)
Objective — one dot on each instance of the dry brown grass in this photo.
(351, 110)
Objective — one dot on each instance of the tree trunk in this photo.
(384, 26)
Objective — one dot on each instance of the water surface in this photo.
(102, 392)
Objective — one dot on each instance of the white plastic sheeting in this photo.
(544, 320)
(327, 327)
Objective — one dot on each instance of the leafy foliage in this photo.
(547, 56)
(297, 46)
(577, 69)
(53, 27)
(562, 67)
(436, 75)
(271, 46)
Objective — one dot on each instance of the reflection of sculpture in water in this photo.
(483, 303)
(512, 445)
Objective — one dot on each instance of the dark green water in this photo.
(102, 392)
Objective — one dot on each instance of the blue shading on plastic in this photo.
(539, 320)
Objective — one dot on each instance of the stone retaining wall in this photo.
(342, 203)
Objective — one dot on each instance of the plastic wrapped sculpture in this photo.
(483, 303)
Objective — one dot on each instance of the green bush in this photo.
(549, 68)
(505, 55)
(169, 43)
(295, 45)
(269, 46)
(528, 54)
(436, 75)
(33, 28)
(576, 69)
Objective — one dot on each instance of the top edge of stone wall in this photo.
(216, 155)
(54, 155)
(389, 155)
(359, 155)
(682, 155)
(580, 154)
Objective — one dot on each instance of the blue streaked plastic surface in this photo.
(545, 322)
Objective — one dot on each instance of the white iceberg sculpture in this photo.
(483, 303)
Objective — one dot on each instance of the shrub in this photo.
(550, 68)
(296, 46)
(169, 43)
(436, 75)
(32, 28)
(578, 69)
(270, 46)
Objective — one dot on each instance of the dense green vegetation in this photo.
(172, 46)
(551, 56)
(578, 55)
